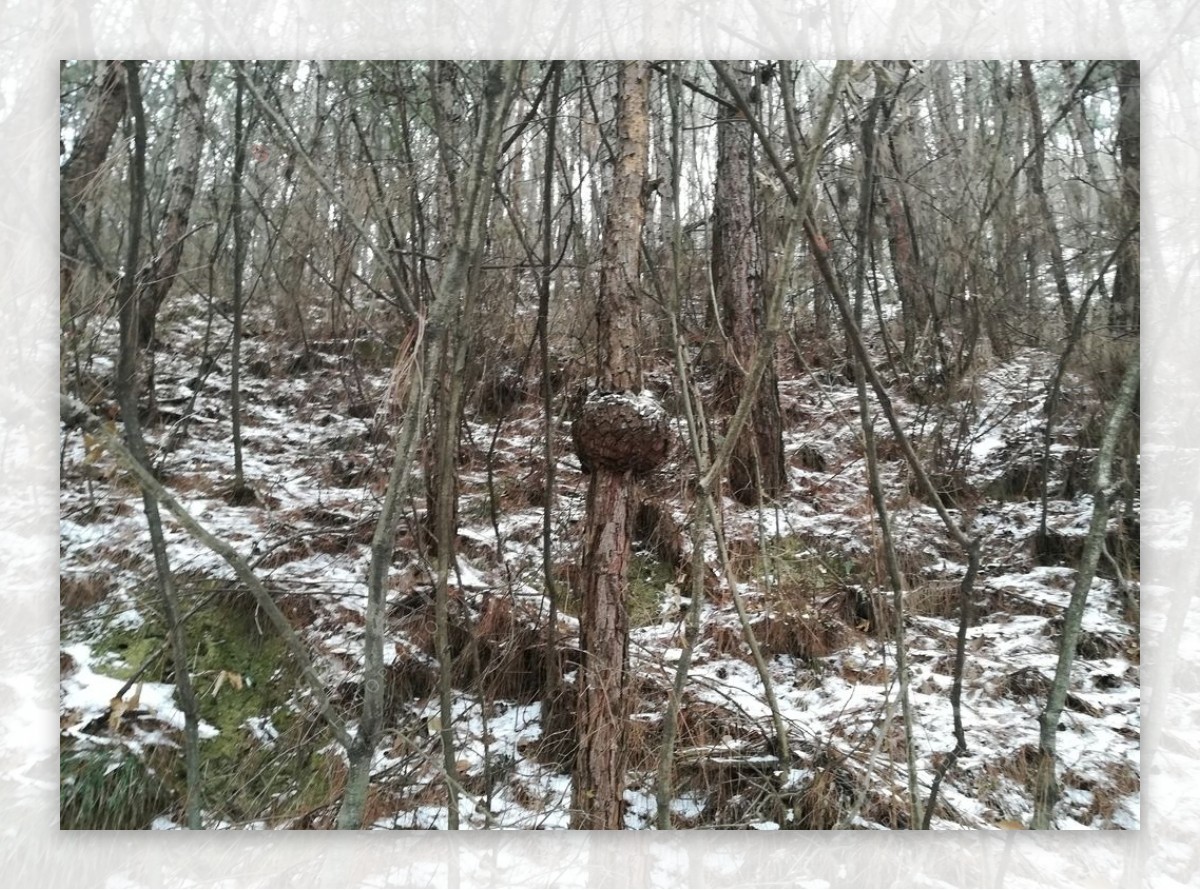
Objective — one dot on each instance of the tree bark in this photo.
(1058, 265)
(156, 281)
(84, 165)
(126, 392)
(553, 661)
(1126, 297)
(757, 468)
(1046, 789)
(238, 489)
(603, 682)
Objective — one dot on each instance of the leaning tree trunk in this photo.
(191, 93)
(1046, 790)
(757, 466)
(82, 168)
(157, 277)
(616, 436)
(126, 393)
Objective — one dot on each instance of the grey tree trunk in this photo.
(127, 398)
(191, 90)
(424, 358)
(238, 489)
(1058, 265)
(1126, 297)
(756, 470)
(81, 169)
(156, 278)
(1046, 790)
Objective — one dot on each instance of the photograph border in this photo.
(36, 35)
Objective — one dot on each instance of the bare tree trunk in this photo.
(913, 312)
(697, 440)
(1046, 782)
(867, 423)
(191, 91)
(238, 489)
(442, 464)
(304, 212)
(126, 392)
(552, 682)
(603, 683)
(445, 509)
(1126, 296)
(1058, 265)
(757, 466)
(156, 279)
(424, 359)
(81, 169)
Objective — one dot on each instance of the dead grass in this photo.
(825, 798)
(77, 593)
(802, 634)
(933, 599)
(728, 642)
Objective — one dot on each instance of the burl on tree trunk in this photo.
(618, 436)
(622, 432)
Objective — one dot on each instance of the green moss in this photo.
(122, 651)
(242, 778)
(648, 578)
(799, 567)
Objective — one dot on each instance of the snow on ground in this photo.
(86, 695)
(318, 470)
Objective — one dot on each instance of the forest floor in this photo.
(808, 566)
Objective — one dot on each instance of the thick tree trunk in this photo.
(80, 171)
(603, 682)
(757, 466)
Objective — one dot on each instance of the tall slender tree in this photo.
(1126, 296)
(157, 277)
(127, 399)
(603, 678)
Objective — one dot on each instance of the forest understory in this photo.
(600, 445)
(808, 563)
